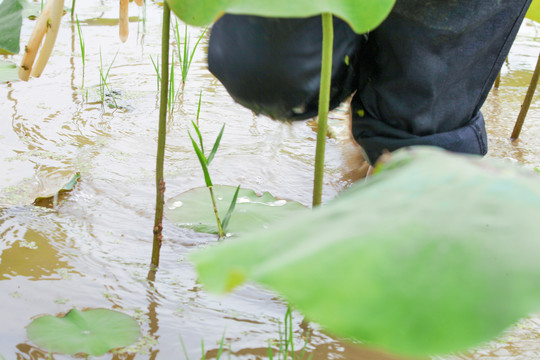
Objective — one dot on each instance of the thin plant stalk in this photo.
(221, 233)
(171, 87)
(156, 68)
(527, 102)
(83, 48)
(103, 78)
(162, 132)
(324, 104)
(72, 8)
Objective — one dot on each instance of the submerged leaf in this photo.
(91, 332)
(52, 200)
(362, 15)
(193, 209)
(10, 26)
(436, 253)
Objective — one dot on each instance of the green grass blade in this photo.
(186, 54)
(220, 350)
(110, 66)
(202, 350)
(227, 217)
(184, 347)
(203, 162)
(156, 68)
(178, 46)
(195, 47)
(199, 107)
(171, 87)
(200, 137)
(216, 145)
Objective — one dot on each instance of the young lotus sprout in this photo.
(47, 26)
(124, 18)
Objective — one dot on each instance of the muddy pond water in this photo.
(93, 249)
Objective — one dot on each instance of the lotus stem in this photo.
(162, 133)
(53, 26)
(527, 102)
(324, 104)
(48, 24)
(124, 20)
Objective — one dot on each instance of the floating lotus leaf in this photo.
(434, 254)
(362, 15)
(92, 332)
(10, 26)
(193, 209)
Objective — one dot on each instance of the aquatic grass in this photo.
(185, 56)
(203, 351)
(205, 162)
(103, 79)
(82, 47)
(286, 341)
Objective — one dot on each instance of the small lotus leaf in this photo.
(8, 71)
(362, 15)
(193, 209)
(92, 332)
(10, 26)
(434, 254)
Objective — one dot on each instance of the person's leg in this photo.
(428, 69)
(272, 66)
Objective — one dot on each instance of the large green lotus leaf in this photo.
(436, 253)
(362, 15)
(193, 209)
(8, 71)
(10, 26)
(534, 11)
(92, 332)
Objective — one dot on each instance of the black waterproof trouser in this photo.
(420, 78)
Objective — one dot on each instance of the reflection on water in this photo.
(94, 249)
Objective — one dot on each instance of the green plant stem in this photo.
(72, 8)
(221, 234)
(324, 104)
(160, 182)
(527, 102)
